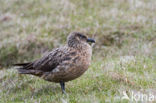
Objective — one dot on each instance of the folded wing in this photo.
(46, 64)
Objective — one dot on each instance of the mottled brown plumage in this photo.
(62, 64)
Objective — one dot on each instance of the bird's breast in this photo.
(86, 56)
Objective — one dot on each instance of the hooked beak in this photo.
(91, 40)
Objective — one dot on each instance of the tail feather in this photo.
(26, 66)
(32, 72)
(23, 71)
(21, 64)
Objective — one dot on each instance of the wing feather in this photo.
(50, 61)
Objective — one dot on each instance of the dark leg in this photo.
(63, 87)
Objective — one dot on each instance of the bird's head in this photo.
(76, 39)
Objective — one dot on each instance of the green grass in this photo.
(98, 84)
(124, 56)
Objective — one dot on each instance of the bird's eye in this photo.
(82, 36)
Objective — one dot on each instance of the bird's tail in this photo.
(24, 68)
(23, 71)
(21, 64)
(27, 68)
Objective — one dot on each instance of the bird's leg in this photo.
(63, 87)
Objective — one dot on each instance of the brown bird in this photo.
(62, 64)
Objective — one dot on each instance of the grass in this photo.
(124, 56)
(98, 84)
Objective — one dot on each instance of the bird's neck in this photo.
(83, 48)
(86, 53)
(79, 46)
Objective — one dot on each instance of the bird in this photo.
(62, 64)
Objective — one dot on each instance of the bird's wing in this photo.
(47, 63)
(50, 61)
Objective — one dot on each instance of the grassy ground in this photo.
(124, 57)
